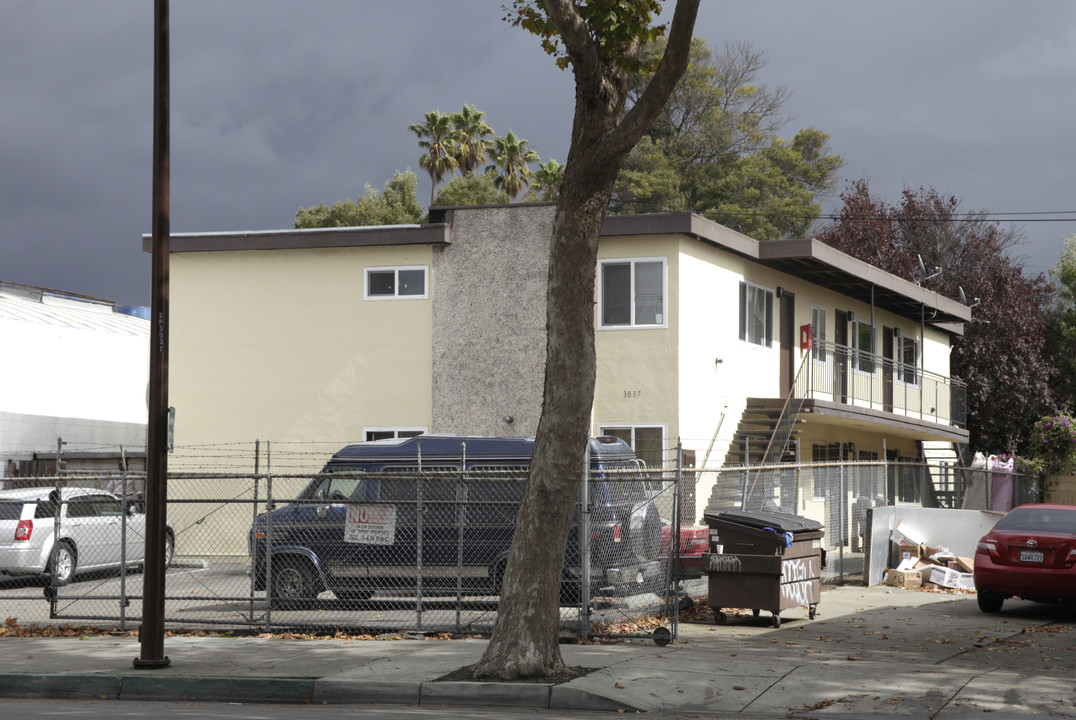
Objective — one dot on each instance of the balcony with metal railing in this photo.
(842, 375)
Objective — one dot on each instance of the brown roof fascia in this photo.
(805, 257)
(430, 234)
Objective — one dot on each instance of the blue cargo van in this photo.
(437, 512)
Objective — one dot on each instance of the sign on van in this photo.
(370, 524)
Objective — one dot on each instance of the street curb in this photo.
(217, 689)
(58, 685)
(530, 695)
(141, 687)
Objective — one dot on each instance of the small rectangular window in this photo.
(818, 333)
(909, 360)
(391, 433)
(395, 282)
(756, 314)
(632, 293)
(863, 346)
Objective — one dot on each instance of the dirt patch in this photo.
(466, 674)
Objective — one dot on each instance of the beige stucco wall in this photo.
(280, 345)
(637, 367)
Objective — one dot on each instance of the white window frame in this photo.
(906, 368)
(768, 299)
(396, 432)
(861, 355)
(396, 284)
(632, 324)
(818, 333)
(614, 428)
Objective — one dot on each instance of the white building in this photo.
(74, 374)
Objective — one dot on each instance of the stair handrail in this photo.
(769, 456)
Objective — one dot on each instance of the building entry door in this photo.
(788, 340)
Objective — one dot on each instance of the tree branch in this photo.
(672, 66)
(580, 46)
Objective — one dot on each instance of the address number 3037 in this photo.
(633, 394)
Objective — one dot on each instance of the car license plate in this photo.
(1031, 556)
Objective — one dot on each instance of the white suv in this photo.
(91, 525)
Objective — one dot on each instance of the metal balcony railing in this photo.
(842, 374)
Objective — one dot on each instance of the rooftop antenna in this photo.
(964, 299)
(921, 274)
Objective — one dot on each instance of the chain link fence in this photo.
(839, 494)
(342, 552)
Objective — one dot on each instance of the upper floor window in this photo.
(632, 293)
(908, 359)
(818, 333)
(386, 283)
(756, 314)
(863, 346)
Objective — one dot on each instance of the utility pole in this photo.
(151, 634)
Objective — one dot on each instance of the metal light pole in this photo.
(151, 634)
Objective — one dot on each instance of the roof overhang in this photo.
(810, 260)
(430, 234)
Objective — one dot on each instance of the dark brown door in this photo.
(840, 352)
(788, 341)
(887, 368)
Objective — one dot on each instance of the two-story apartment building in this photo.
(335, 335)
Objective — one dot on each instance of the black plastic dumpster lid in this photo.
(781, 522)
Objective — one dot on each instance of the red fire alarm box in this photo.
(805, 337)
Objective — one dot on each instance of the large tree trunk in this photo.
(524, 642)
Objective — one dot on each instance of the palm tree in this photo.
(438, 139)
(511, 156)
(471, 143)
(548, 177)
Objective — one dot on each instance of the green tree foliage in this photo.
(1061, 326)
(511, 157)
(547, 180)
(437, 137)
(649, 182)
(715, 150)
(473, 189)
(1002, 355)
(397, 204)
(472, 141)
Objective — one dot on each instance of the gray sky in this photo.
(281, 104)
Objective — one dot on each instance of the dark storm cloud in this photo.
(278, 104)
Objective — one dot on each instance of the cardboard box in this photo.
(904, 578)
(947, 577)
(906, 536)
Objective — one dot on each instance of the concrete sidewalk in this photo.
(870, 651)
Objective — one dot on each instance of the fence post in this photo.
(461, 509)
(268, 538)
(253, 524)
(841, 506)
(123, 544)
(672, 589)
(584, 547)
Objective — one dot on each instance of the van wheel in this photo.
(292, 581)
(169, 549)
(63, 563)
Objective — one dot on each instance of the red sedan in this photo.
(1031, 554)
